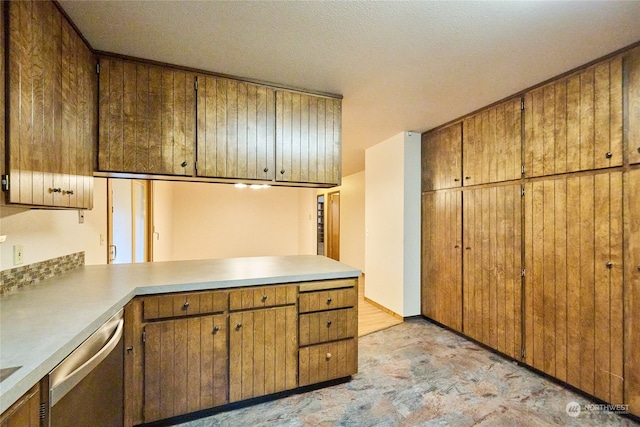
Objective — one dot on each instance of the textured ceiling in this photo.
(399, 65)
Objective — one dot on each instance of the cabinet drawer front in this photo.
(262, 297)
(327, 300)
(329, 361)
(185, 304)
(325, 326)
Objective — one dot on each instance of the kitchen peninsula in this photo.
(43, 323)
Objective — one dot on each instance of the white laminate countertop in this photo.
(43, 323)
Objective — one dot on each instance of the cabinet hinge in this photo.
(144, 336)
(524, 353)
(522, 105)
(522, 170)
(195, 84)
(522, 273)
(522, 191)
(42, 411)
(195, 166)
(98, 68)
(5, 182)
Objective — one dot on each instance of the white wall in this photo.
(46, 234)
(392, 223)
(219, 220)
(351, 219)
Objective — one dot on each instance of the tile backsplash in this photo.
(19, 277)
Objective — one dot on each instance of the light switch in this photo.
(18, 254)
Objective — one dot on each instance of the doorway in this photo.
(333, 225)
(129, 220)
(320, 230)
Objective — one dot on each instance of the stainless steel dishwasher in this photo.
(86, 389)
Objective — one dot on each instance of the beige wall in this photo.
(351, 219)
(219, 220)
(46, 234)
(162, 220)
(392, 224)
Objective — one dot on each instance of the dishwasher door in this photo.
(86, 389)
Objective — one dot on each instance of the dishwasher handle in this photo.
(60, 387)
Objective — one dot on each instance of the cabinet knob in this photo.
(185, 305)
(184, 164)
(328, 300)
(468, 248)
(69, 192)
(216, 329)
(456, 179)
(457, 246)
(264, 298)
(238, 325)
(265, 170)
(609, 264)
(329, 324)
(639, 268)
(467, 177)
(328, 356)
(638, 149)
(608, 155)
(281, 171)
(129, 349)
(55, 190)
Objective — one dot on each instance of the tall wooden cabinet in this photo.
(492, 294)
(442, 247)
(236, 129)
(147, 118)
(51, 109)
(574, 281)
(550, 266)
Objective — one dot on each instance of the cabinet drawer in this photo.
(324, 326)
(185, 304)
(329, 361)
(328, 299)
(262, 296)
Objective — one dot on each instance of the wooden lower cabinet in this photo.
(328, 361)
(492, 279)
(632, 292)
(185, 366)
(25, 412)
(441, 291)
(574, 282)
(263, 346)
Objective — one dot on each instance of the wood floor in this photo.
(370, 317)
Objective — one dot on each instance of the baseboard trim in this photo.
(385, 309)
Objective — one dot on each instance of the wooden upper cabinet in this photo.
(51, 108)
(575, 123)
(632, 65)
(236, 129)
(147, 118)
(632, 291)
(308, 138)
(492, 144)
(441, 158)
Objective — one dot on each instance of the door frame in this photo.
(329, 231)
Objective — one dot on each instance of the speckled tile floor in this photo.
(418, 374)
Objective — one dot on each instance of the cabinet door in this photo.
(236, 129)
(632, 66)
(575, 123)
(25, 412)
(185, 366)
(263, 345)
(442, 257)
(573, 283)
(147, 118)
(51, 109)
(441, 158)
(492, 144)
(492, 268)
(632, 293)
(308, 138)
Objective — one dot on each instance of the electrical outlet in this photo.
(18, 254)
(101, 239)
